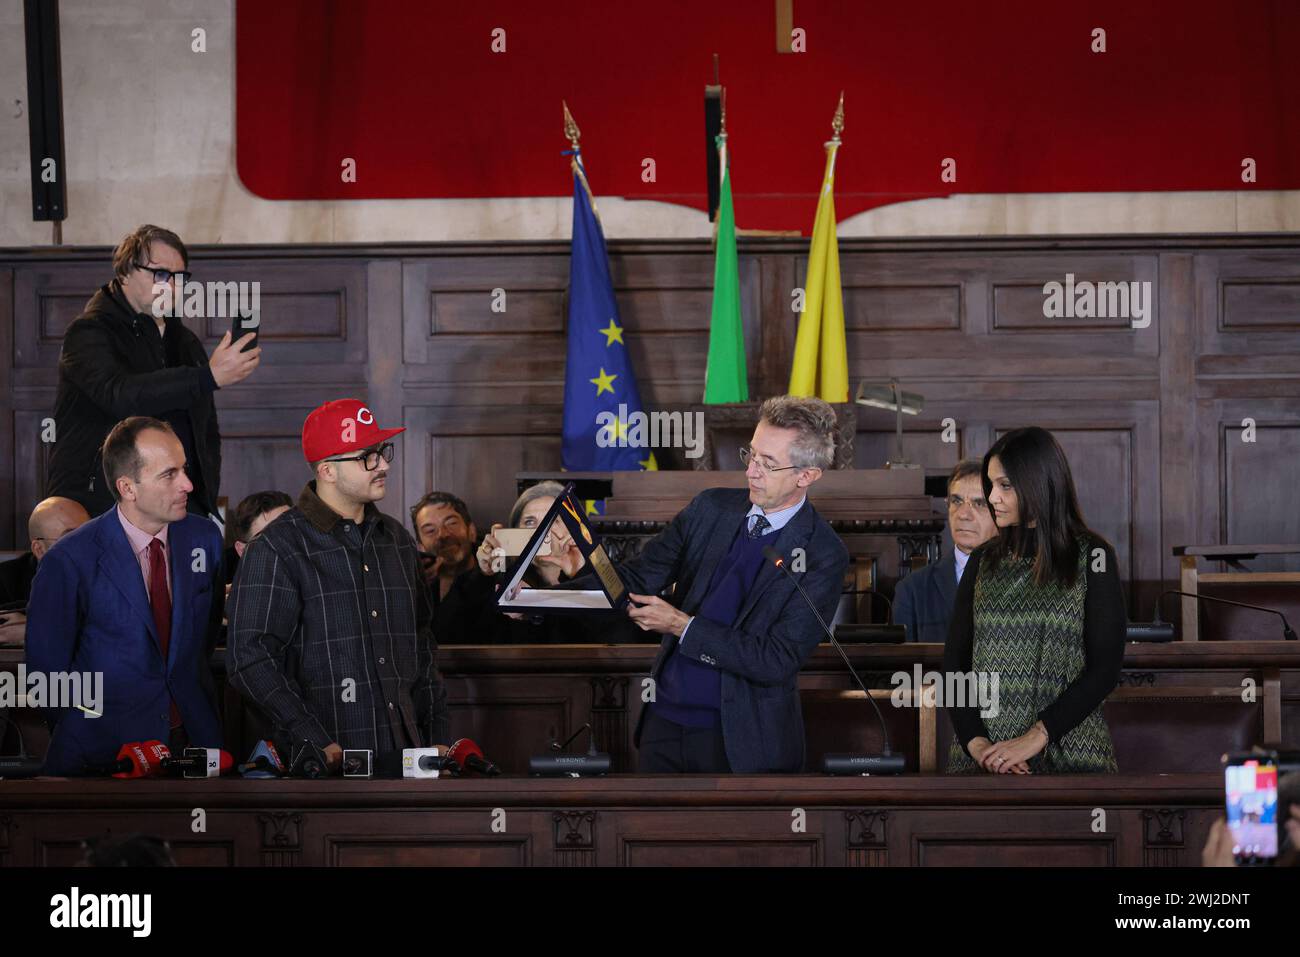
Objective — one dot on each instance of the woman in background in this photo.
(1040, 607)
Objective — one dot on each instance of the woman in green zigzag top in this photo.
(1039, 610)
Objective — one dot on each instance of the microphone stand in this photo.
(1287, 632)
(887, 762)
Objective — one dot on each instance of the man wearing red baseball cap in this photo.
(330, 622)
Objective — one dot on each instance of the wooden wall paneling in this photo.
(1180, 499)
(11, 531)
(463, 353)
(1249, 486)
(475, 452)
(779, 324)
(910, 315)
(1247, 312)
(261, 449)
(384, 371)
(315, 344)
(48, 295)
(1075, 345)
(31, 459)
(666, 303)
(313, 316)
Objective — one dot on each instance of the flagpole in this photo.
(573, 135)
(837, 127)
(722, 158)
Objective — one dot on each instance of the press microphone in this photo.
(885, 763)
(1287, 632)
(469, 757)
(308, 762)
(264, 762)
(424, 762)
(138, 759)
(413, 763)
(199, 763)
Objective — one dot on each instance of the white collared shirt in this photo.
(960, 558)
(778, 520)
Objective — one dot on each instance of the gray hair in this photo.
(814, 419)
(547, 489)
(965, 469)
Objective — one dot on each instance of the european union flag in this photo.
(598, 375)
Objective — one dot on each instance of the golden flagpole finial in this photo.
(837, 124)
(571, 131)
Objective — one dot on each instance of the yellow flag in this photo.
(821, 363)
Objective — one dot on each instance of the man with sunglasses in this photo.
(923, 601)
(120, 360)
(330, 621)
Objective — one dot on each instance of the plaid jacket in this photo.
(330, 632)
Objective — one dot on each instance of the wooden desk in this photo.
(759, 820)
(1178, 705)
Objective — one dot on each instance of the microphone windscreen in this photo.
(265, 752)
(462, 749)
(145, 757)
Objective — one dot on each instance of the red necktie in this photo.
(160, 602)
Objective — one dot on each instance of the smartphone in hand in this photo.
(242, 325)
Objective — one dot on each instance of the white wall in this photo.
(130, 163)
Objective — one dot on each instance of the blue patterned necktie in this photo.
(760, 526)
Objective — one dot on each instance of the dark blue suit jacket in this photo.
(923, 601)
(89, 612)
(761, 653)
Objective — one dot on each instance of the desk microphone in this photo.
(19, 765)
(885, 763)
(1287, 631)
(571, 765)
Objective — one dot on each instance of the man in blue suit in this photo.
(736, 632)
(923, 600)
(131, 595)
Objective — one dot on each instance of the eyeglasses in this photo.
(747, 454)
(955, 502)
(369, 459)
(161, 275)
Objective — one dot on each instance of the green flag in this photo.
(724, 375)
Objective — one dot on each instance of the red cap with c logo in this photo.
(340, 427)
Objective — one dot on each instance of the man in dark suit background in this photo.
(119, 359)
(51, 519)
(131, 595)
(923, 600)
(736, 632)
